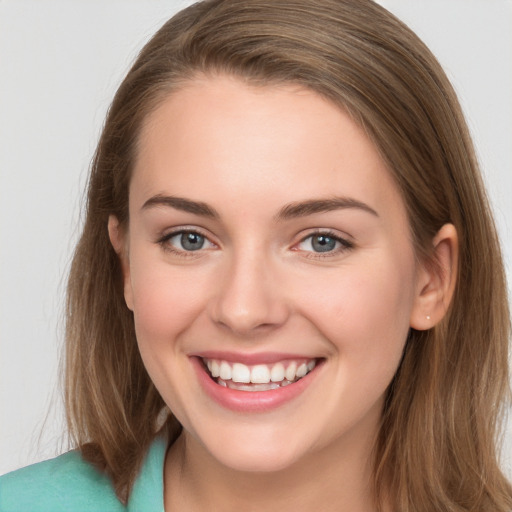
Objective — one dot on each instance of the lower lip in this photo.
(251, 401)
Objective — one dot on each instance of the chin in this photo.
(256, 453)
(256, 461)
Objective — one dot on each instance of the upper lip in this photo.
(251, 359)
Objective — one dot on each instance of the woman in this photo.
(288, 292)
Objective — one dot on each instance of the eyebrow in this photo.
(180, 203)
(290, 211)
(312, 206)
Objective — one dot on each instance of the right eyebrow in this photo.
(180, 203)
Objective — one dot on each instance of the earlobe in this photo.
(436, 280)
(118, 239)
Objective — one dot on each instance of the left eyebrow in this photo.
(312, 206)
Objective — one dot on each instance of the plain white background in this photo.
(60, 63)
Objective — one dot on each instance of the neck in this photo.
(335, 478)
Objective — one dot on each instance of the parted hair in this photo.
(438, 442)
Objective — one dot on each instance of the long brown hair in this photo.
(437, 444)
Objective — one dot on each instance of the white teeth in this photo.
(252, 387)
(215, 369)
(225, 371)
(240, 373)
(301, 370)
(290, 371)
(277, 373)
(260, 374)
(260, 377)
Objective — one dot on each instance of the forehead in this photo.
(247, 141)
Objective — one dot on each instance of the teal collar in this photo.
(148, 491)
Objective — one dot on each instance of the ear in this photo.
(436, 282)
(119, 240)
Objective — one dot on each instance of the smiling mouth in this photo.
(259, 377)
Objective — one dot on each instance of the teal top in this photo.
(69, 484)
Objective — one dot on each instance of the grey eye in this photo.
(323, 243)
(186, 241)
(319, 243)
(190, 241)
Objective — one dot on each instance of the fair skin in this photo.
(289, 243)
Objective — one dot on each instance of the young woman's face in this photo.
(267, 241)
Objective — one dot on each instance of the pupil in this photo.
(192, 241)
(322, 243)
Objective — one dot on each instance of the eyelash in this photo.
(345, 245)
(167, 247)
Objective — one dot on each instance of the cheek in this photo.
(365, 313)
(166, 301)
(366, 320)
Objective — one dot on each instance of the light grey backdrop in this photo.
(60, 63)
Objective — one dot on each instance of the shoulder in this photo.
(66, 483)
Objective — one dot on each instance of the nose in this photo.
(250, 300)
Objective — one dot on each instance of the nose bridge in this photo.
(249, 297)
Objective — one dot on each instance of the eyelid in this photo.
(344, 241)
(163, 240)
(346, 244)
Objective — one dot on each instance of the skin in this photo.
(258, 285)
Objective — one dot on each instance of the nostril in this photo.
(248, 301)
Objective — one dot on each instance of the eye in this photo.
(324, 243)
(185, 241)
